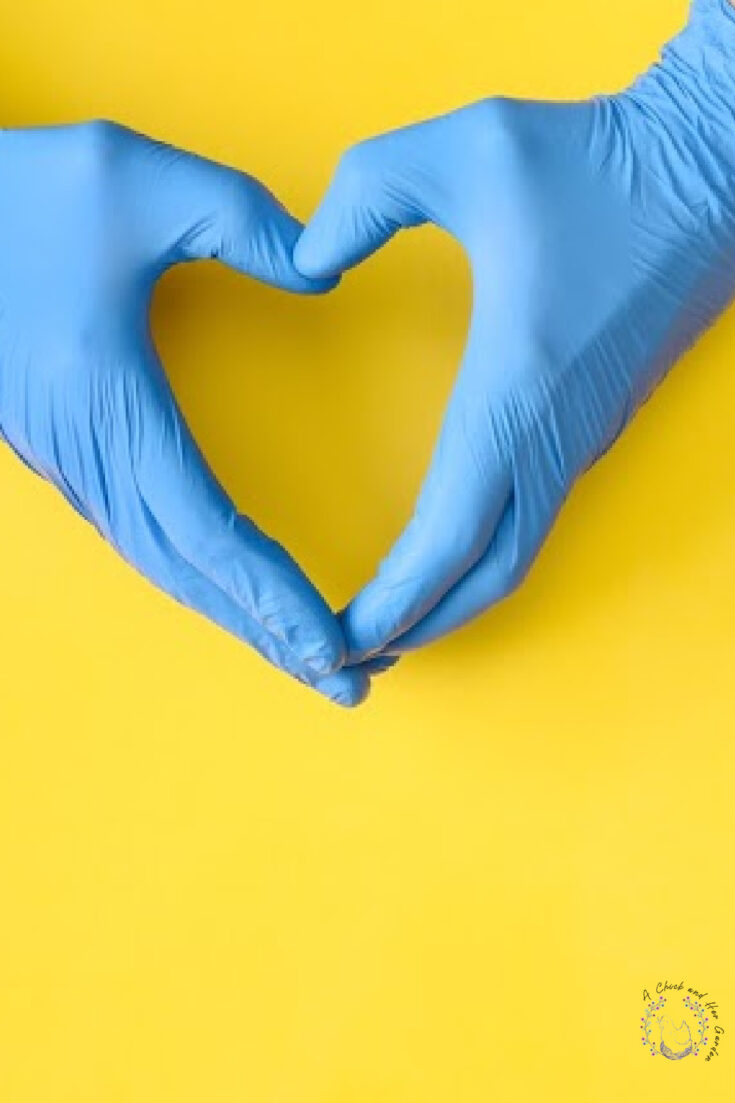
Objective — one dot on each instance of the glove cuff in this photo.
(707, 45)
(694, 78)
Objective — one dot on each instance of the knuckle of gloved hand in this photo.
(236, 218)
(243, 221)
(96, 146)
(494, 131)
(357, 164)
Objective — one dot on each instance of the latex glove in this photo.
(90, 217)
(601, 237)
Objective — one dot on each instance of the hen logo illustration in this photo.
(688, 1027)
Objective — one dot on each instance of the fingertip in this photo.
(272, 252)
(308, 281)
(354, 698)
(381, 664)
(310, 630)
(364, 636)
(325, 656)
(309, 259)
(348, 688)
(305, 285)
(288, 277)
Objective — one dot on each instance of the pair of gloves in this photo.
(601, 236)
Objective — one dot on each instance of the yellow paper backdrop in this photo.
(214, 887)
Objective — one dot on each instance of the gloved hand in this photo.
(90, 217)
(601, 237)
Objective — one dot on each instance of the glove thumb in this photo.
(196, 209)
(380, 186)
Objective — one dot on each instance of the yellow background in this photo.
(217, 887)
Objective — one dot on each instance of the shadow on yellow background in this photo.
(216, 886)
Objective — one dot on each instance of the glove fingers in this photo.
(380, 186)
(460, 504)
(105, 463)
(184, 499)
(523, 528)
(378, 664)
(153, 555)
(196, 209)
(425, 563)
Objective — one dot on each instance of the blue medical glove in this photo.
(90, 217)
(601, 237)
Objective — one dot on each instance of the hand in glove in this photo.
(601, 236)
(90, 218)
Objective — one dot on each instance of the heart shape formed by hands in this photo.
(601, 236)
